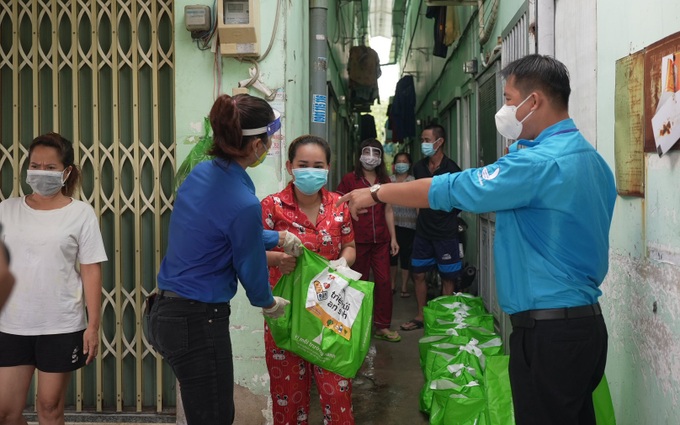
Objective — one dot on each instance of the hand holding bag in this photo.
(328, 322)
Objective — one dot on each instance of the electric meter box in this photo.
(197, 18)
(238, 26)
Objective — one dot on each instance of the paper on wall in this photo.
(666, 120)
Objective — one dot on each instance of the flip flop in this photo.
(391, 336)
(405, 294)
(412, 325)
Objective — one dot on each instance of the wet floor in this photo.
(387, 388)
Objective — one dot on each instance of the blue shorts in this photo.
(442, 253)
(56, 353)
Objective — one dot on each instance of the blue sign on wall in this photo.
(319, 108)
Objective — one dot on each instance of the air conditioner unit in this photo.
(451, 2)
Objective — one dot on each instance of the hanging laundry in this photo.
(364, 70)
(452, 27)
(403, 111)
(439, 14)
(367, 128)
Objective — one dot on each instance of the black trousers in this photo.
(554, 368)
(194, 339)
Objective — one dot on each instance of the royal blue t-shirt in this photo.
(216, 237)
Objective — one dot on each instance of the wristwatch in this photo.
(374, 193)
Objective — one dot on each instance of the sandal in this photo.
(405, 294)
(390, 336)
(412, 325)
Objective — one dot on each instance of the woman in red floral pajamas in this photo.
(375, 235)
(308, 210)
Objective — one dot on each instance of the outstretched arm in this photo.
(409, 194)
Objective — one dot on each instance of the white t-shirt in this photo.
(48, 296)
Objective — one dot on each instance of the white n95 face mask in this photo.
(45, 182)
(507, 123)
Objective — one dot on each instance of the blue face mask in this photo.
(428, 148)
(401, 168)
(310, 180)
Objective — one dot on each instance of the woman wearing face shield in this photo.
(43, 325)
(375, 235)
(215, 240)
(308, 210)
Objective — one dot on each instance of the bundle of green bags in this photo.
(462, 360)
(466, 372)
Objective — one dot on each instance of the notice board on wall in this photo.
(647, 88)
(659, 80)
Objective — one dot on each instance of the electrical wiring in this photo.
(203, 38)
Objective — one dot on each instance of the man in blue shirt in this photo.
(554, 199)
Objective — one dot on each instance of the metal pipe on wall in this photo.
(545, 27)
(318, 63)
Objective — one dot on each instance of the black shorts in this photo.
(443, 254)
(405, 241)
(56, 353)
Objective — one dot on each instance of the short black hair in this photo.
(437, 130)
(541, 72)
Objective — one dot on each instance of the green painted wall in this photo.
(643, 365)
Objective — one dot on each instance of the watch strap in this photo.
(374, 195)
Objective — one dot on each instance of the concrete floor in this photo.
(387, 388)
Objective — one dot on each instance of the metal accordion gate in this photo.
(101, 73)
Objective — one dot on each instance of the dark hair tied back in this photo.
(229, 116)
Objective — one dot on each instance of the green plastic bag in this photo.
(464, 405)
(445, 361)
(602, 401)
(460, 377)
(198, 153)
(498, 391)
(329, 318)
(457, 302)
(427, 343)
(439, 321)
(489, 343)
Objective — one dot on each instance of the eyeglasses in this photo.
(270, 129)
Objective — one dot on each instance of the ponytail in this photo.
(229, 115)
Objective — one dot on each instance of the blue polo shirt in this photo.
(554, 203)
(216, 237)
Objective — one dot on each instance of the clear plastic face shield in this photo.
(371, 151)
(273, 131)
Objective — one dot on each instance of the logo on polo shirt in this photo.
(484, 173)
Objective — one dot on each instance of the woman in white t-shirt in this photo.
(43, 325)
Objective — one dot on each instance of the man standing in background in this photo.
(436, 239)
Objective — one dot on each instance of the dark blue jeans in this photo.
(194, 339)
